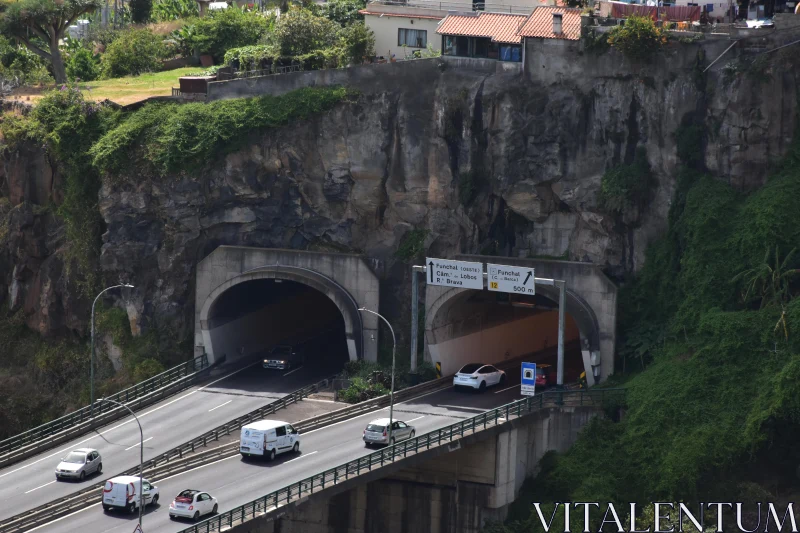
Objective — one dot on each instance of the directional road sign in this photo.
(528, 387)
(138, 529)
(513, 279)
(460, 274)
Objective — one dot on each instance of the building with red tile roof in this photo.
(548, 22)
(483, 35)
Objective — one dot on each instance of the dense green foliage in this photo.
(174, 138)
(82, 65)
(626, 187)
(638, 38)
(412, 245)
(41, 24)
(299, 32)
(140, 11)
(343, 12)
(133, 52)
(165, 10)
(715, 319)
(223, 29)
(20, 63)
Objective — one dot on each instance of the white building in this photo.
(401, 28)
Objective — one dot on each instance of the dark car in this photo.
(543, 375)
(283, 357)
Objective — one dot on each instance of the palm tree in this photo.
(771, 283)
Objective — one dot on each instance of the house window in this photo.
(412, 38)
(511, 53)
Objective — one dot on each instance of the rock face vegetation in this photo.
(681, 183)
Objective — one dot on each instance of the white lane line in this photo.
(65, 450)
(463, 408)
(292, 371)
(197, 468)
(298, 458)
(138, 443)
(64, 517)
(507, 388)
(415, 419)
(217, 407)
(37, 488)
(371, 413)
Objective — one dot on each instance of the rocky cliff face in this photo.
(482, 162)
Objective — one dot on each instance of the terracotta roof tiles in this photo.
(500, 27)
(540, 23)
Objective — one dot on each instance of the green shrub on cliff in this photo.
(179, 138)
(719, 397)
(638, 38)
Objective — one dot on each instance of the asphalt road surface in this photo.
(234, 481)
(171, 422)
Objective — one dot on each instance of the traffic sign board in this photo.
(506, 278)
(460, 274)
(528, 387)
(138, 529)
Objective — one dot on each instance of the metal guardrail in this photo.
(271, 71)
(84, 414)
(401, 450)
(166, 464)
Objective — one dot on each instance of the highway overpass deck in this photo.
(234, 481)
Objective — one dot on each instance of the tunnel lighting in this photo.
(278, 281)
(523, 304)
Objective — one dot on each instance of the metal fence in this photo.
(273, 69)
(85, 414)
(403, 449)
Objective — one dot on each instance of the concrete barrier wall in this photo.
(530, 334)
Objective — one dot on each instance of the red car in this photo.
(543, 376)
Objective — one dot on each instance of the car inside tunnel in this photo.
(491, 327)
(249, 320)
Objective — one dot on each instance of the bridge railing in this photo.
(85, 414)
(403, 449)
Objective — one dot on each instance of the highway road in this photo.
(171, 422)
(234, 481)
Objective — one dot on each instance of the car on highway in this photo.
(79, 463)
(544, 375)
(268, 438)
(191, 503)
(377, 432)
(478, 376)
(124, 493)
(283, 357)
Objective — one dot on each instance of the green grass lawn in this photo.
(122, 90)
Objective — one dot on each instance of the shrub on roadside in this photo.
(224, 29)
(301, 32)
(132, 53)
(638, 38)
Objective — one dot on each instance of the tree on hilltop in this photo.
(46, 20)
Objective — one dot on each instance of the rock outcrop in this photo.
(485, 163)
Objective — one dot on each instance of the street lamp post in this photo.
(91, 377)
(141, 456)
(394, 346)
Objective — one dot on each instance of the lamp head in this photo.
(362, 308)
(128, 285)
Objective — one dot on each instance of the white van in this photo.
(267, 438)
(123, 492)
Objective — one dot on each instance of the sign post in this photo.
(138, 529)
(513, 279)
(528, 386)
(458, 274)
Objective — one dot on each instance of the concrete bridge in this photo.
(240, 309)
(452, 488)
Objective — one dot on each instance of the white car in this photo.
(192, 504)
(124, 492)
(79, 463)
(478, 376)
(376, 432)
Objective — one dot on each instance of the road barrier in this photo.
(401, 450)
(173, 461)
(78, 422)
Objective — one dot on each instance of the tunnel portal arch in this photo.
(345, 279)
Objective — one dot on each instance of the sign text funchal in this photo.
(512, 279)
(459, 274)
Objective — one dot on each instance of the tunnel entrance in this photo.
(250, 318)
(488, 327)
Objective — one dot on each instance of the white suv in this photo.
(478, 376)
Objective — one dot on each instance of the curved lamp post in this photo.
(394, 346)
(91, 377)
(141, 456)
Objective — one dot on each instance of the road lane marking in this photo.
(298, 458)
(293, 371)
(507, 388)
(122, 424)
(39, 487)
(64, 517)
(217, 407)
(138, 443)
(463, 408)
(415, 419)
(197, 468)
